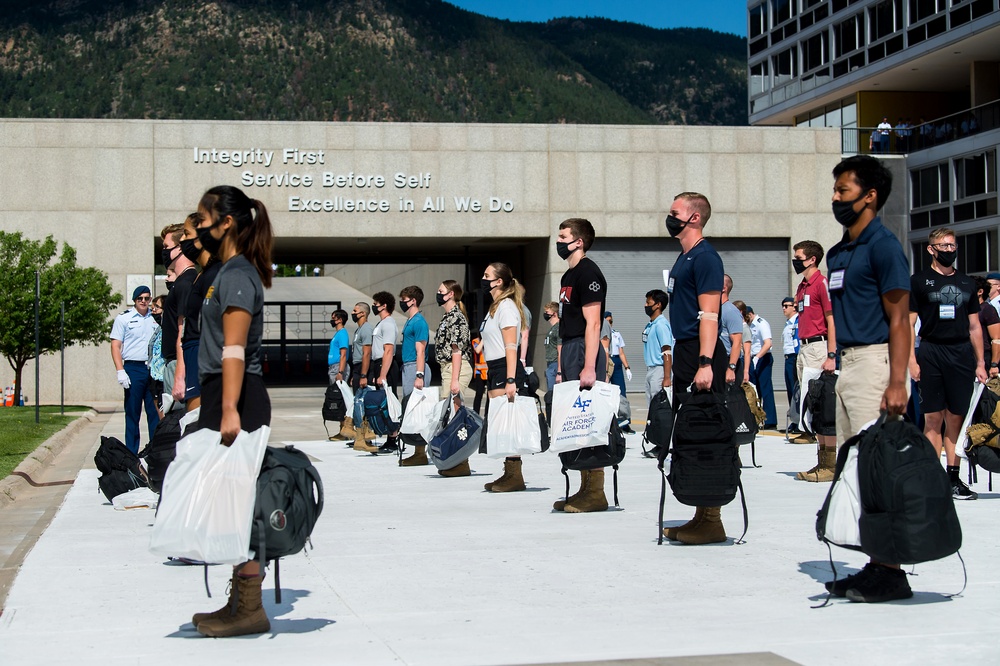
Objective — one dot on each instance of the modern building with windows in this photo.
(927, 71)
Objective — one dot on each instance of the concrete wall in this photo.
(107, 187)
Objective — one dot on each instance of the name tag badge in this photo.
(801, 307)
(946, 311)
(837, 279)
(670, 286)
(805, 300)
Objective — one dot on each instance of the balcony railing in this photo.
(901, 140)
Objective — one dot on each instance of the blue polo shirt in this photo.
(860, 273)
(697, 271)
(656, 334)
(341, 340)
(414, 329)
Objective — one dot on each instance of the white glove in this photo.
(628, 374)
(123, 379)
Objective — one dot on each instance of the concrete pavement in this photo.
(412, 568)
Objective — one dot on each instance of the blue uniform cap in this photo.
(139, 291)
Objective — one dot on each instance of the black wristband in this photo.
(704, 360)
(511, 380)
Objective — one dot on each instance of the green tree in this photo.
(85, 291)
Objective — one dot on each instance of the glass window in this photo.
(976, 174)
(847, 36)
(785, 65)
(758, 20)
(815, 51)
(885, 18)
(929, 186)
(922, 9)
(783, 10)
(849, 114)
(760, 81)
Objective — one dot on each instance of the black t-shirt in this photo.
(988, 317)
(192, 310)
(581, 285)
(944, 304)
(176, 298)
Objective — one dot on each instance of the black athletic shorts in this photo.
(947, 373)
(496, 375)
(573, 357)
(254, 405)
(685, 365)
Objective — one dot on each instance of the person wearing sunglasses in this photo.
(130, 336)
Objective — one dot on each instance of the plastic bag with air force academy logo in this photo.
(582, 419)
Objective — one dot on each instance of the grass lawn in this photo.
(20, 435)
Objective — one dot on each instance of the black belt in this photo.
(790, 355)
(815, 338)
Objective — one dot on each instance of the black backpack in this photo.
(596, 457)
(334, 406)
(659, 423)
(745, 426)
(162, 448)
(289, 502)
(821, 401)
(907, 511)
(120, 468)
(982, 444)
(704, 462)
(376, 411)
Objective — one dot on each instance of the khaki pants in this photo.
(864, 376)
(464, 377)
(812, 355)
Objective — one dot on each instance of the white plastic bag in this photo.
(207, 501)
(805, 416)
(346, 392)
(392, 402)
(512, 429)
(582, 418)
(436, 422)
(139, 498)
(189, 418)
(844, 512)
(419, 408)
(963, 436)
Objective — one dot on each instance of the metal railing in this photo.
(901, 140)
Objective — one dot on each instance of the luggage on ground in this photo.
(459, 438)
(162, 448)
(120, 468)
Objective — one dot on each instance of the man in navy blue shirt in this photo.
(869, 285)
(695, 289)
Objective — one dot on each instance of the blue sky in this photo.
(721, 15)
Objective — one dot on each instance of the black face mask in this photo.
(562, 249)
(208, 242)
(440, 298)
(333, 323)
(799, 265)
(355, 318)
(170, 286)
(843, 211)
(158, 318)
(547, 316)
(675, 226)
(166, 257)
(649, 310)
(406, 307)
(946, 259)
(189, 249)
(487, 284)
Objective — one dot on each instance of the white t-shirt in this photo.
(506, 316)
(385, 333)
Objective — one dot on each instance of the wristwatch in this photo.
(419, 375)
(704, 360)
(831, 354)
(511, 380)
(994, 365)
(732, 366)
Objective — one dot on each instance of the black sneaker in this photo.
(388, 447)
(840, 587)
(960, 491)
(882, 584)
(653, 452)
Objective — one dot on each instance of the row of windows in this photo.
(840, 114)
(841, 48)
(972, 179)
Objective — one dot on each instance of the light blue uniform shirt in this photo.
(656, 334)
(135, 332)
(414, 330)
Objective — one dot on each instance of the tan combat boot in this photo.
(347, 429)
(827, 467)
(419, 457)
(514, 480)
(248, 617)
(805, 476)
(367, 432)
(671, 532)
(225, 611)
(359, 440)
(560, 505)
(593, 498)
(709, 530)
(461, 469)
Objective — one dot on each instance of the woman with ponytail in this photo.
(236, 230)
(500, 330)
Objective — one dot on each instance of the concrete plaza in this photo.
(412, 568)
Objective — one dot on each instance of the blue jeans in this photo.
(138, 394)
(550, 375)
(761, 378)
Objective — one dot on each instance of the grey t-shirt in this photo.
(731, 323)
(362, 337)
(386, 332)
(236, 286)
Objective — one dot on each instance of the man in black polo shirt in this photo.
(582, 295)
(695, 288)
(950, 356)
(869, 285)
(177, 297)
